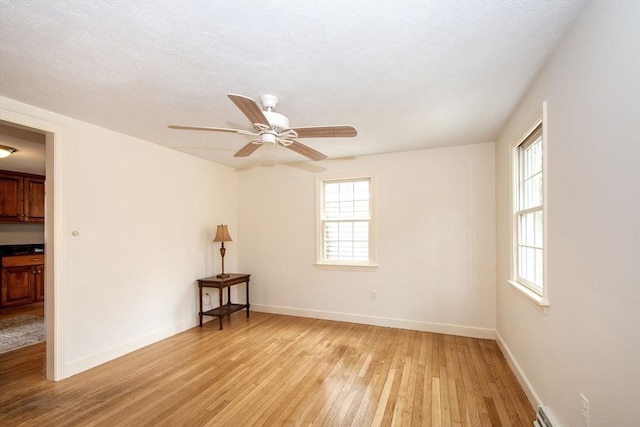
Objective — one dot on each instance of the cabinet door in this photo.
(34, 199)
(11, 197)
(39, 282)
(18, 285)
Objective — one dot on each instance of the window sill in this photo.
(346, 267)
(539, 302)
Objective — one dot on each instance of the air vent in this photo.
(543, 419)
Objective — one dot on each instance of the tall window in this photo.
(345, 221)
(528, 269)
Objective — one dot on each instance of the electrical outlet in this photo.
(584, 409)
(374, 296)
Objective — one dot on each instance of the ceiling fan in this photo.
(272, 128)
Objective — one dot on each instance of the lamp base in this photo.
(222, 276)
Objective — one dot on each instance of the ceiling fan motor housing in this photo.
(277, 121)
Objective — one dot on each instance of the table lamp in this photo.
(222, 235)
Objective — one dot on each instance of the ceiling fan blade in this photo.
(249, 108)
(326, 131)
(213, 129)
(305, 150)
(247, 150)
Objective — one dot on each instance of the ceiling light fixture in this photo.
(6, 151)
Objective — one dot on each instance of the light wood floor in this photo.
(274, 370)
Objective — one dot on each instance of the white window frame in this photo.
(540, 299)
(321, 263)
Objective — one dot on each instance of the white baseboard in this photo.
(83, 364)
(522, 378)
(439, 328)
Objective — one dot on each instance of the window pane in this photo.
(331, 192)
(536, 156)
(346, 191)
(538, 229)
(332, 210)
(346, 214)
(530, 229)
(538, 267)
(346, 209)
(361, 251)
(361, 231)
(532, 159)
(331, 230)
(532, 189)
(346, 231)
(361, 190)
(361, 209)
(522, 266)
(530, 265)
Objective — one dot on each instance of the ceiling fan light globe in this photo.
(268, 138)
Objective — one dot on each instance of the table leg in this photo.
(220, 306)
(229, 298)
(248, 305)
(200, 294)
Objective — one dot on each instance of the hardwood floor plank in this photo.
(384, 398)
(273, 370)
(401, 396)
(436, 408)
(499, 405)
(445, 408)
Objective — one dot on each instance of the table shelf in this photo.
(226, 310)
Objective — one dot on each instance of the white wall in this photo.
(146, 217)
(435, 234)
(589, 342)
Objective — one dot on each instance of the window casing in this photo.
(345, 222)
(529, 237)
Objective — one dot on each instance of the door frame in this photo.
(53, 231)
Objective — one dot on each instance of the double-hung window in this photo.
(528, 269)
(345, 225)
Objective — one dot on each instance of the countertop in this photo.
(29, 249)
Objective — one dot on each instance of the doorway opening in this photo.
(39, 143)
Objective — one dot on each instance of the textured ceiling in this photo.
(407, 74)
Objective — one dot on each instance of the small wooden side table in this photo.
(221, 283)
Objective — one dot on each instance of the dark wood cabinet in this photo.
(39, 279)
(34, 199)
(18, 286)
(21, 197)
(11, 197)
(22, 280)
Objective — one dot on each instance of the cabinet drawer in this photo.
(19, 260)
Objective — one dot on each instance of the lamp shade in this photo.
(222, 234)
